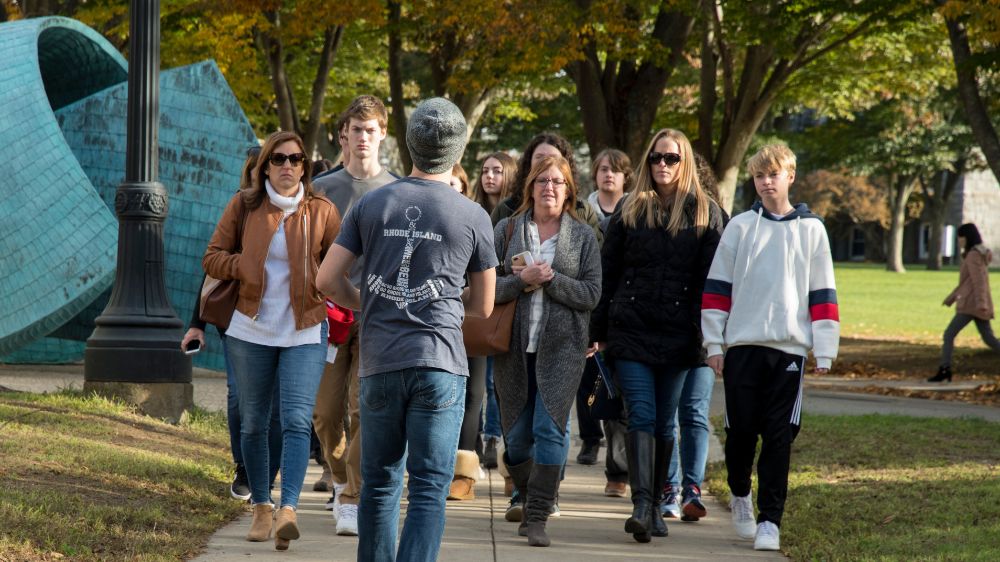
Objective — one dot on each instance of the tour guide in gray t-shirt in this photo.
(419, 239)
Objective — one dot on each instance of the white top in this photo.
(546, 253)
(275, 323)
(778, 274)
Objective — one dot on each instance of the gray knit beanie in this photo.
(435, 136)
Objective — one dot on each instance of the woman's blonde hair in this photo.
(644, 206)
(463, 179)
(543, 165)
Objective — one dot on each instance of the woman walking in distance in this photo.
(972, 299)
(278, 333)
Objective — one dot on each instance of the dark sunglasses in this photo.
(670, 158)
(278, 159)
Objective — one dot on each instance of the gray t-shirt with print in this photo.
(419, 238)
(344, 190)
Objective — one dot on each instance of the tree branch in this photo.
(331, 41)
(975, 110)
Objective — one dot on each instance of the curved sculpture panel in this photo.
(203, 138)
(57, 239)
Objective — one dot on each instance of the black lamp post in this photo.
(137, 338)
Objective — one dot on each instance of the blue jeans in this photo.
(651, 397)
(492, 428)
(296, 371)
(233, 420)
(535, 435)
(413, 416)
(692, 415)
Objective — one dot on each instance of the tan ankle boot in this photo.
(260, 527)
(286, 528)
(466, 471)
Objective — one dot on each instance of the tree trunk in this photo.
(618, 99)
(900, 189)
(325, 146)
(975, 111)
(397, 102)
(473, 106)
(273, 49)
(937, 203)
(331, 40)
(709, 97)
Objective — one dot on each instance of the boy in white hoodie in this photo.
(769, 298)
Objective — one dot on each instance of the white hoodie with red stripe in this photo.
(771, 284)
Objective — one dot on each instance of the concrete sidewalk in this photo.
(590, 529)
(591, 526)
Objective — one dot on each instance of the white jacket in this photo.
(771, 284)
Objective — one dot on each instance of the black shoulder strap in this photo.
(241, 223)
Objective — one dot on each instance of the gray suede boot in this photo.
(520, 474)
(542, 489)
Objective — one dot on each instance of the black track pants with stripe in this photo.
(763, 398)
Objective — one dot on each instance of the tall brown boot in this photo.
(260, 527)
(286, 527)
(466, 472)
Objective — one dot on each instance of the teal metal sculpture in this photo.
(204, 135)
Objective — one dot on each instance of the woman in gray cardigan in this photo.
(536, 380)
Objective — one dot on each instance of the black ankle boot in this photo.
(661, 465)
(943, 374)
(639, 450)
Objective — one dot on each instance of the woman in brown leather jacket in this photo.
(972, 299)
(272, 238)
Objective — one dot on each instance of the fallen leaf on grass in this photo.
(887, 520)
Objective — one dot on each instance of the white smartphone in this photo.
(523, 259)
(193, 346)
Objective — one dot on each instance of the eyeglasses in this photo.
(278, 159)
(253, 152)
(542, 182)
(670, 158)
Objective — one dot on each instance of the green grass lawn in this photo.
(889, 488)
(879, 304)
(84, 478)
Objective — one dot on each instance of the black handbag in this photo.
(604, 402)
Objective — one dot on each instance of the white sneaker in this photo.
(347, 519)
(743, 519)
(768, 537)
(335, 499)
(669, 507)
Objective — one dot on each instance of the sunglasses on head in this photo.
(670, 158)
(278, 159)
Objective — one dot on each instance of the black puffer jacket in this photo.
(650, 309)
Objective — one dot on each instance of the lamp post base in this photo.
(169, 401)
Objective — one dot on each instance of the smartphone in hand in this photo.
(525, 259)
(193, 346)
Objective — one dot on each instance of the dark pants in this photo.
(474, 391)
(590, 427)
(763, 397)
(615, 461)
(957, 323)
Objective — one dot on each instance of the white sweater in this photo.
(275, 323)
(771, 284)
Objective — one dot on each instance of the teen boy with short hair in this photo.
(364, 126)
(769, 298)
